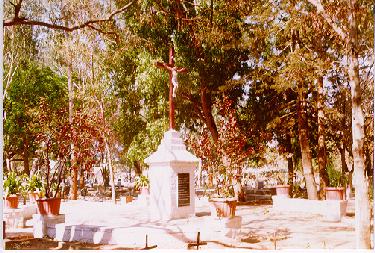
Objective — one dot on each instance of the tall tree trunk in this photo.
(362, 204)
(322, 155)
(290, 165)
(82, 178)
(344, 165)
(304, 144)
(290, 175)
(26, 162)
(138, 169)
(207, 112)
(74, 182)
(108, 154)
(111, 174)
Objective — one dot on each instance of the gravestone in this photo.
(171, 175)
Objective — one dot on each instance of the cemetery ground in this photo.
(262, 228)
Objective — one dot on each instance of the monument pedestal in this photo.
(171, 175)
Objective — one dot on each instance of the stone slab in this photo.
(332, 210)
(17, 217)
(44, 225)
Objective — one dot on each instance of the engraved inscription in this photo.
(183, 189)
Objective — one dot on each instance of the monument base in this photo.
(171, 176)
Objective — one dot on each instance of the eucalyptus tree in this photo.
(350, 23)
(66, 16)
(283, 57)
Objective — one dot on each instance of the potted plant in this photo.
(11, 186)
(34, 187)
(141, 183)
(334, 191)
(50, 201)
(282, 189)
(223, 203)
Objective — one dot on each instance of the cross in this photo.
(173, 70)
(198, 243)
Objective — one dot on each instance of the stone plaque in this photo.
(183, 189)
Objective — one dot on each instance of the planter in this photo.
(11, 202)
(282, 190)
(33, 196)
(50, 206)
(334, 193)
(223, 207)
(126, 199)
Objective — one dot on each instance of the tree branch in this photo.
(17, 20)
(328, 19)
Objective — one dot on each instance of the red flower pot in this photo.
(128, 199)
(50, 206)
(223, 207)
(334, 193)
(282, 190)
(11, 202)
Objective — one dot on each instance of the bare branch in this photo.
(16, 20)
(320, 10)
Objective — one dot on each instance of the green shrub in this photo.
(11, 183)
(34, 183)
(141, 181)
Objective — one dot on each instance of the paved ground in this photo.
(262, 228)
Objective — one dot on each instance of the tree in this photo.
(231, 149)
(346, 27)
(30, 84)
(57, 15)
(205, 37)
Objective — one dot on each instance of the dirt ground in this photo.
(25, 241)
(262, 228)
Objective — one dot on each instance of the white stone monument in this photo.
(171, 175)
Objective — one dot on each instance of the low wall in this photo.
(332, 210)
(17, 217)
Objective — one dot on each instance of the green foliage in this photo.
(334, 175)
(11, 183)
(141, 182)
(34, 183)
(30, 85)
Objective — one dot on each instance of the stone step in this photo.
(258, 191)
(250, 197)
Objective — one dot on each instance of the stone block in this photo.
(43, 223)
(332, 210)
(18, 217)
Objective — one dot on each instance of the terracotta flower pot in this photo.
(33, 196)
(11, 202)
(334, 193)
(282, 190)
(50, 206)
(223, 207)
(128, 199)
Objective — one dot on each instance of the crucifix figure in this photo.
(173, 83)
